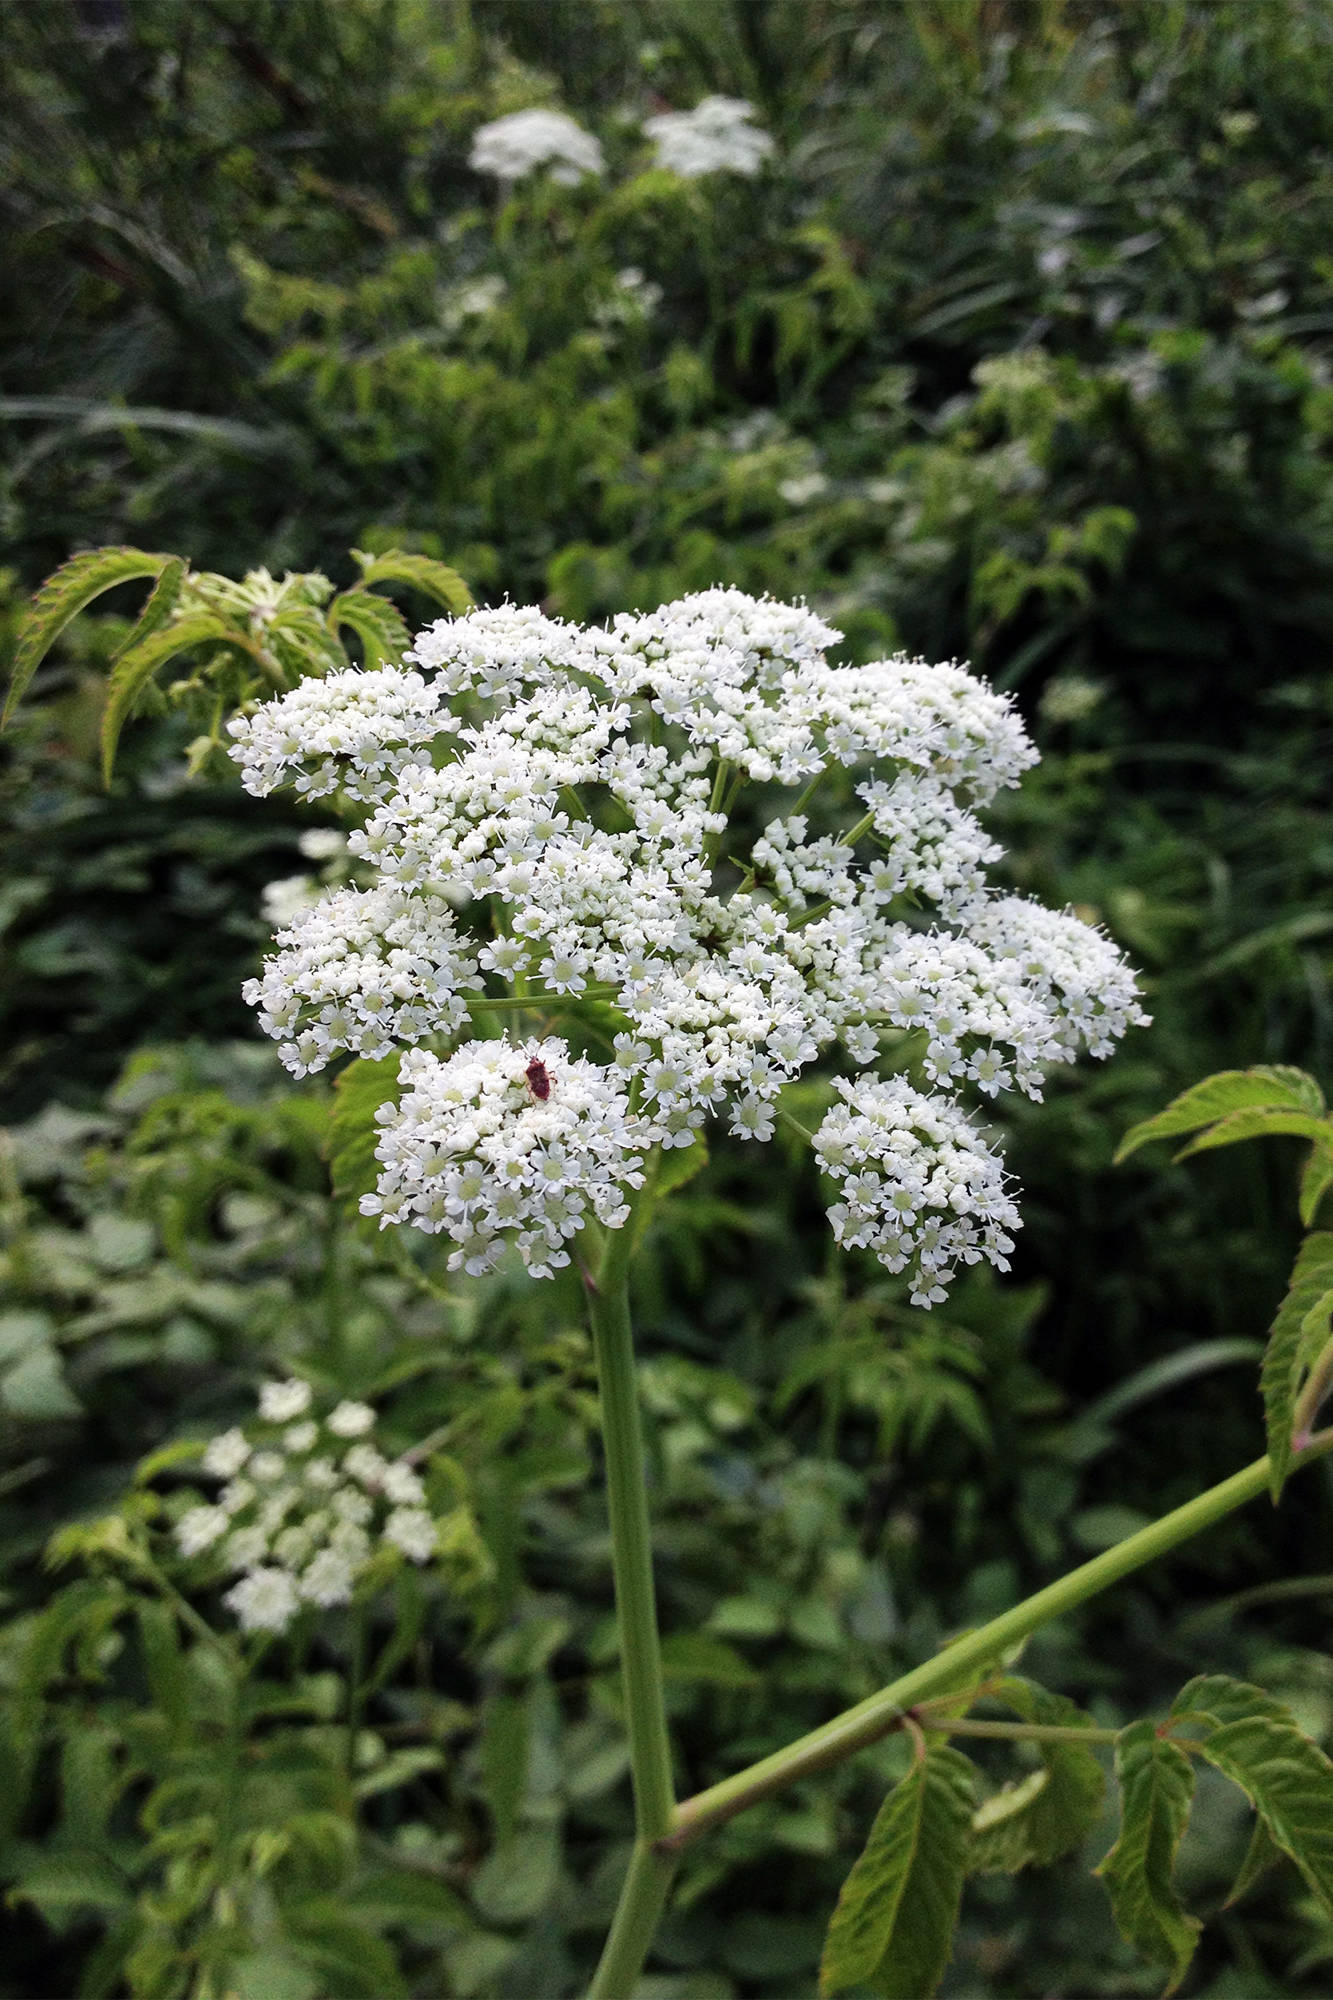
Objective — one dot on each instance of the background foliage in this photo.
(1019, 354)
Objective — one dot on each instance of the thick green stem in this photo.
(649, 1878)
(641, 1903)
(631, 1546)
(880, 1713)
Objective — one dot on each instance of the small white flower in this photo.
(350, 1420)
(226, 1454)
(279, 1402)
(199, 1527)
(363, 1462)
(402, 1485)
(267, 1466)
(264, 1601)
(300, 1437)
(328, 1579)
(412, 1530)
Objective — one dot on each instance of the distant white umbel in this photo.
(517, 145)
(722, 858)
(717, 137)
(304, 1505)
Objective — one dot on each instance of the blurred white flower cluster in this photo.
(516, 145)
(717, 137)
(722, 858)
(303, 1507)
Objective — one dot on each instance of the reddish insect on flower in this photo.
(539, 1083)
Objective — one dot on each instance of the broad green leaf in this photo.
(1222, 1095)
(385, 1896)
(60, 1881)
(1286, 1354)
(1261, 1122)
(358, 1092)
(135, 669)
(1056, 1814)
(62, 597)
(701, 1657)
(445, 585)
(518, 1878)
(35, 1387)
(1156, 1791)
(379, 625)
(1258, 1744)
(1316, 1180)
(893, 1928)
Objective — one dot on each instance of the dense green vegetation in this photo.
(1018, 353)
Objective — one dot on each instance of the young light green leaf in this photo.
(133, 671)
(1316, 1179)
(159, 604)
(62, 597)
(1220, 1096)
(445, 585)
(1286, 1354)
(358, 1092)
(379, 625)
(1054, 1815)
(893, 1928)
(1156, 1792)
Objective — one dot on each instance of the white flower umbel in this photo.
(510, 147)
(919, 1185)
(725, 857)
(716, 137)
(509, 1142)
(317, 1504)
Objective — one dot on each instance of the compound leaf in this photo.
(379, 625)
(67, 592)
(1036, 1822)
(1287, 1354)
(445, 585)
(1270, 1086)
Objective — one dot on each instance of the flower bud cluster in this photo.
(722, 855)
(303, 1507)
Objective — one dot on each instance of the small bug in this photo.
(538, 1082)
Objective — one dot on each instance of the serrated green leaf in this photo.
(379, 625)
(1316, 1180)
(358, 1092)
(893, 1928)
(1260, 1122)
(1289, 1782)
(1055, 1815)
(1220, 1096)
(1156, 1792)
(1286, 1355)
(67, 592)
(133, 671)
(445, 585)
(1219, 1698)
(159, 604)
(1262, 1854)
(302, 644)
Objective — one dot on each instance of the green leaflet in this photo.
(1048, 1812)
(893, 1927)
(358, 1092)
(1294, 1342)
(1271, 1089)
(379, 625)
(1316, 1180)
(136, 666)
(1271, 1121)
(1287, 1778)
(67, 592)
(445, 585)
(1156, 1792)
